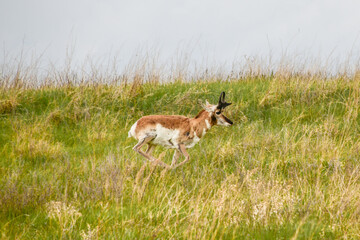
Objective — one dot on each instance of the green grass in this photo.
(288, 167)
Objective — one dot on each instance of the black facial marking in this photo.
(213, 120)
(228, 120)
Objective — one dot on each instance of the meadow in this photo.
(287, 169)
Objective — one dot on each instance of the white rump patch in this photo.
(131, 133)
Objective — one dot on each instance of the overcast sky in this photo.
(220, 29)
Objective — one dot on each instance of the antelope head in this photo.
(216, 111)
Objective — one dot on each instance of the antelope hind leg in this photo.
(148, 152)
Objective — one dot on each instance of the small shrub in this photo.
(64, 214)
(8, 106)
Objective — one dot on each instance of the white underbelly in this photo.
(169, 138)
(166, 137)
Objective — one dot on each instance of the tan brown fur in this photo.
(199, 123)
(167, 121)
(187, 126)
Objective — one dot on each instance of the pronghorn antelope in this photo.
(178, 132)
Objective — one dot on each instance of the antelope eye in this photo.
(218, 113)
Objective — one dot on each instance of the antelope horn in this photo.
(222, 104)
(222, 98)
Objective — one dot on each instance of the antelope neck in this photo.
(201, 123)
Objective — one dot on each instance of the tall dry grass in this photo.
(28, 70)
(287, 169)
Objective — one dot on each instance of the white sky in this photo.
(220, 29)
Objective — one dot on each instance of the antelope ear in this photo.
(209, 107)
(203, 105)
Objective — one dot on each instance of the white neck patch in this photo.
(207, 124)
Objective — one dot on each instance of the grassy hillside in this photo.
(287, 169)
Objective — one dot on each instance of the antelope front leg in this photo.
(182, 149)
(142, 142)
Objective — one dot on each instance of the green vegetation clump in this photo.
(287, 169)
